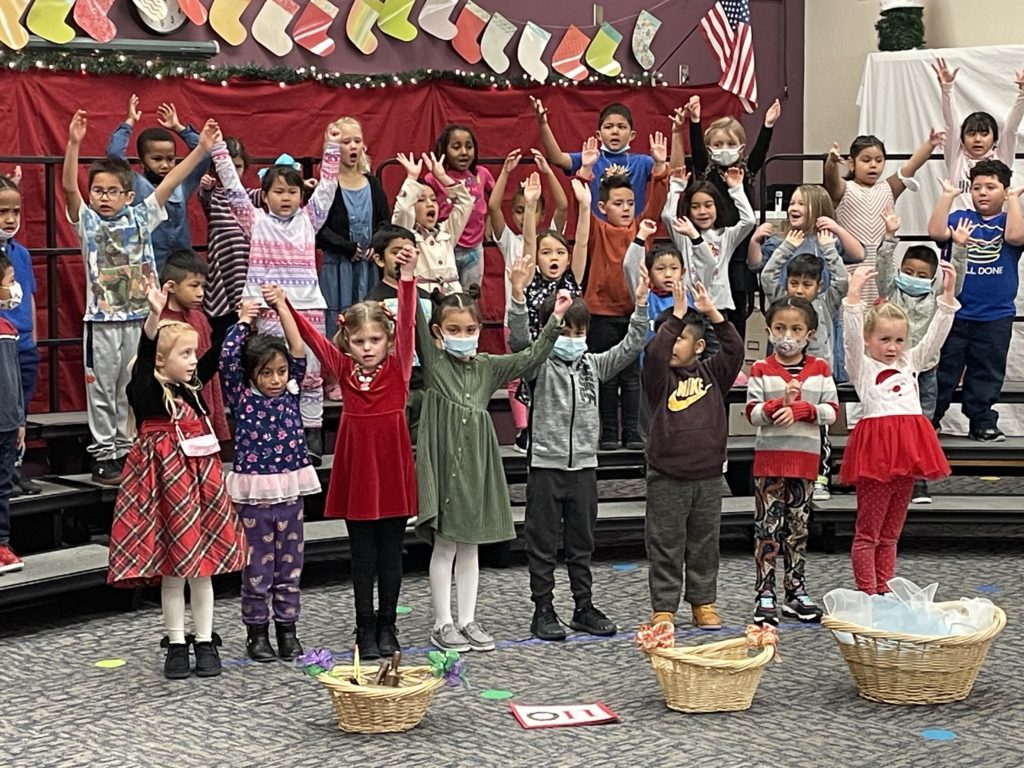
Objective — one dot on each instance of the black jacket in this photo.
(333, 236)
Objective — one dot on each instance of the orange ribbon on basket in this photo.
(763, 636)
(661, 635)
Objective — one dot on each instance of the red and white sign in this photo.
(560, 716)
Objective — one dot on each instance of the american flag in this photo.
(727, 29)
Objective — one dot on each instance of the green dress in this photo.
(462, 491)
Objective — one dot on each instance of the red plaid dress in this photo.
(173, 516)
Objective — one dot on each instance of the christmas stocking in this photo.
(532, 43)
(91, 16)
(643, 33)
(270, 23)
(154, 9)
(311, 29)
(195, 11)
(359, 25)
(12, 34)
(601, 53)
(567, 59)
(394, 20)
(435, 18)
(470, 24)
(48, 19)
(226, 20)
(497, 35)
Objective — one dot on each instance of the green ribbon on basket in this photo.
(450, 666)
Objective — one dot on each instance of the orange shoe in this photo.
(663, 617)
(706, 617)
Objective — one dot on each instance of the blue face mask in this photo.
(913, 286)
(462, 347)
(569, 348)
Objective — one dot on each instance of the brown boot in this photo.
(706, 617)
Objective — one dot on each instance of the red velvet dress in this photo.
(373, 476)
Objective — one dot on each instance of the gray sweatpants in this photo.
(108, 349)
(681, 532)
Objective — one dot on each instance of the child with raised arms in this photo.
(893, 444)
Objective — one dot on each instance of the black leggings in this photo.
(376, 552)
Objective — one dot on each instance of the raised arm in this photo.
(734, 235)
(658, 354)
(946, 77)
(885, 267)
(853, 322)
(118, 144)
(698, 151)
(1008, 142)
(552, 151)
(578, 265)
(232, 377)
(608, 363)
(960, 235)
(833, 179)
(852, 247)
(680, 118)
(497, 198)
(503, 368)
(938, 223)
(405, 323)
(838, 282)
(331, 358)
(275, 297)
(559, 200)
(636, 254)
(69, 173)
(531, 196)
(237, 198)
(462, 200)
(1014, 233)
(759, 152)
(898, 182)
(772, 272)
(209, 137)
(927, 349)
(320, 201)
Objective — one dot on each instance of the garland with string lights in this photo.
(121, 64)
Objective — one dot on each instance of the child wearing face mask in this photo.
(463, 497)
(978, 132)
(914, 288)
(282, 250)
(456, 148)
(373, 481)
(893, 443)
(417, 209)
(561, 487)
(790, 396)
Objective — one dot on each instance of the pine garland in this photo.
(901, 29)
(124, 64)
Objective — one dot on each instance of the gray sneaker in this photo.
(448, 638)
(477, 638)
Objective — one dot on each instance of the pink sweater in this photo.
(479, 185)
(282, 250)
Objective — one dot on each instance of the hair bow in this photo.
(284, 159)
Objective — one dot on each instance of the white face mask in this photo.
(569, 348)
(727, 156)
(5, 236)
(462, 347)
(605, 148)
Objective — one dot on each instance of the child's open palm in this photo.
(134, 115)
(78, 125)
(532, 189)
(540, 161)
(210, 135)
(945, 75)
(734, 177)
(659, 146)
(892, 221)
(582, 193)
(590, 152)
(643, 285)
(511, 161)
(680, 117)
(763, 232)
(857, 280)
(680, 172)
(795, 236)
(156, 295)
(436, 166)
(539, 110)
(521, 274)
(701, 298)
(825, 237)
(936, 138)
(412, 166)
(961, 234)
(167, 116)
(948, 188)
(683, 226)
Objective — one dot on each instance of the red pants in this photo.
(881, 512)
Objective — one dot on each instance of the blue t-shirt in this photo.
(21, 317)
(990, 285)
(638, 167)
(809, 245)
(360, 215)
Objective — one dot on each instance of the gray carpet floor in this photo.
(60, 710)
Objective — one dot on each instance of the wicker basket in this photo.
(914, 669)
(718, 677)
(377, 709)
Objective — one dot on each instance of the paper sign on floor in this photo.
(560, 716)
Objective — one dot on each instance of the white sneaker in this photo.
(476, 637)
(821, 492)
(448, 638)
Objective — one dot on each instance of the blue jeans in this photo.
(470, 263)
(977, 350)
(928, 388)
(838, 352)
(344, 283)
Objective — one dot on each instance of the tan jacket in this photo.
(436, 266)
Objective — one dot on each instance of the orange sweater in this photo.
(607, 292)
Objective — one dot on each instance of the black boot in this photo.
(257, 643)
(176, 666)
(387, 640)
(207, 657)
(288, 646)
(366, 637)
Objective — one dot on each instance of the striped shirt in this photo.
(228, 253)
(790, 451)
(860, 212)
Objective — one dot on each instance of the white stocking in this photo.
(441, 580)
(172, 603)
(201, 598)
(467, 581)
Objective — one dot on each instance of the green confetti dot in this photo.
(494, 694)
(403, 609)
(110, 663)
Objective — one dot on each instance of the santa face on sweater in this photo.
(896, 385)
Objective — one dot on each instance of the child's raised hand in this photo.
(948, 279)
(680, 117)
(411, 164)
(532, 189)
(210, 135)
(948, 188)
(167, 116)
(835, 153)
(792, 392)
(681, 173)
(332, 135)
(694, 106)
(248, 310)
(538, 110)
(825, 222)
(857, 280)
(936, 138)
(582, 193)
(511, 161)
(273, 294)
(763, 232)
(563, 300)
(701, 298)
(78, 125)
(1015, 192)
(407, 259)
(684, 227)
(540, 161)
(133, 115)
(795, 236)
(784, 416)
(734, 177)
(826, 237)
(892, 220)
(16, 176)
(643, 285)
(943, 72)
(310, 183)
(590, 153)
(773, 114)
(1018, 78)
(156, 295)
(646, 228)
(436, 166)
(961, 234)
(659, 146)
(521, 274)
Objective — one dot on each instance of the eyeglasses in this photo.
(109, 193)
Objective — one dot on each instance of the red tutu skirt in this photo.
(173, 515)
(888, 447)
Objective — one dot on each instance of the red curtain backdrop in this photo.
(269, 119)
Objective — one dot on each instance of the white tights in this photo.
(172, 602)
(467, 580)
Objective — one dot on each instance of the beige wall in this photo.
(839, 34)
